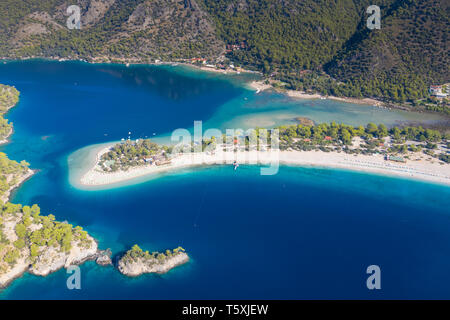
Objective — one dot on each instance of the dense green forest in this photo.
(35, 233)
(311, 45)
(139, 30)
(136, 253)
(340, 137)
(399, 62)
(129, 153)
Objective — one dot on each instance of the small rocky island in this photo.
(136, 261)
(104, 258)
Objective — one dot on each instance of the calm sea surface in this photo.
(303, 233)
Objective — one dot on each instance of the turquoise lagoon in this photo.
(303, 233)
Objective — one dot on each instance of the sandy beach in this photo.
(367, 101)
(261, 86)
(431, 171)
(303, 95)
(216, 70)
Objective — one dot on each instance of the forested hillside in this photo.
(299, 40)
(284, 34)
(136, 30)
(312, 45)
(399, 61)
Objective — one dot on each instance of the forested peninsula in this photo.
(409, 151)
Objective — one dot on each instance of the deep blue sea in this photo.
(305, 233)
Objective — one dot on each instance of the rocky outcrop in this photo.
(19, 178)
(52, 259)
(38, 244)
(104, 257)
(136, 262)
(305, 121)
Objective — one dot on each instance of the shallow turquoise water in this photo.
(303, 233)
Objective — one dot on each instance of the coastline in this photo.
(260, 86)
(49, 259)
(129, 62)
(6, 140)
(422, 170)
(6, 196)
(356, 167)
(144, 263)
(24, 177)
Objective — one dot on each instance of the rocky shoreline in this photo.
(263, 85)
(103, 258)
(22, 247)
(84, 248)
(21, 180)
(35, 259)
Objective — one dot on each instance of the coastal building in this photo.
(394, 158)
(438, 91)
(201, 60)
(232, 47)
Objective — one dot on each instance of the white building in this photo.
(438, 92)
